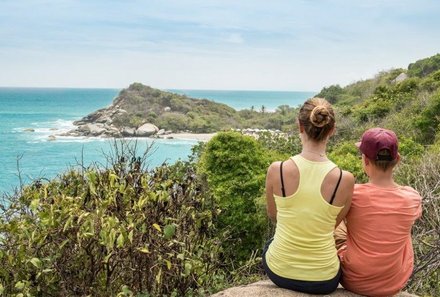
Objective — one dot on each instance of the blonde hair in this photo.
(317, 117)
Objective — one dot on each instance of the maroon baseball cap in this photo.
(377, 139)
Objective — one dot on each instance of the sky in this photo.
(220, 44)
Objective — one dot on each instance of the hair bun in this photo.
(320, 116)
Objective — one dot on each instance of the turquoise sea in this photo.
(28, 116)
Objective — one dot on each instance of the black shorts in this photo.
(310, 287)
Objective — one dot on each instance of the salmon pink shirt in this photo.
(378, 258)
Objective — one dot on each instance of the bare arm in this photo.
(346, 190)
(271, 206)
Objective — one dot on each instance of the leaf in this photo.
(120, 240)
(188, 268)
(1, 289)
(168, 264)
(159, 276)
(157, 227)
(34, 204)
(19, 285)
(68, 223)
(63, 244)
(169, 231)
(144, 250)
(106, 258)
(181, 257)
(126, 290)
(130, 236)
(36, 262)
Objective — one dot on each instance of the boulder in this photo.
(92, 129)
(129, 132)
(266, 288)
(146, 130)
(105, 119)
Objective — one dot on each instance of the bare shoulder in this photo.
(348, 177)
(274, 167)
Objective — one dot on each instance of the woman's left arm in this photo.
(271, 206)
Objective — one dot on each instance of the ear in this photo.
(398, 158)
(365, 159)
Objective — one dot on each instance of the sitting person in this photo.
(377, 257)
(307, 197)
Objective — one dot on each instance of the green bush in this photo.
(235, 166)
(425, 66)
(429, 119)
(346, 155)
(105, 232)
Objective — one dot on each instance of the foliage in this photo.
(235, 167)
(115, 231)
(279, 144)
(423, 67)
(346, 156)
(175, 112)
(331, 93)
(429, 119)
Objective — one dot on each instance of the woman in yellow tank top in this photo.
(307, 196)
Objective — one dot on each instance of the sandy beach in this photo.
(190, 136)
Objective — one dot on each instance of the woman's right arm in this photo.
(270, 201)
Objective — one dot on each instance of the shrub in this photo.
(111, 231)
(235, 166)
(346, 155)
(424, 175)
(428, 120)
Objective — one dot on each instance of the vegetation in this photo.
(175, 112)
(120, 231)
(235, 167)
(192, 228)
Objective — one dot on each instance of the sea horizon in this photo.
(163, 89)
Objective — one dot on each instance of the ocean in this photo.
(28, 116)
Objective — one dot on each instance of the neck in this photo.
(382, 178)
(314, 149)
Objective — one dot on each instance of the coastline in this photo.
(205, 137)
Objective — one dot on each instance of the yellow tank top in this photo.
(303, 247)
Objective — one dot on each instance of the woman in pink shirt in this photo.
(377, 258)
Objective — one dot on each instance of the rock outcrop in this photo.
(266, 288)
(401, 77)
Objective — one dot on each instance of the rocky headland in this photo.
(141, 111)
